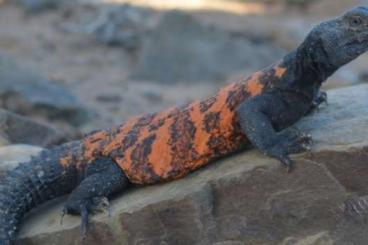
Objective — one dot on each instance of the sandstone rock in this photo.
(15, 129)
(11, 155)
(244, 199)
(181, 49)
(27, 93)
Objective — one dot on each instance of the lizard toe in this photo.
(290, 141)
(287, 162)
(82, 207)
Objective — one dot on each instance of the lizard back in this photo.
(167, 145)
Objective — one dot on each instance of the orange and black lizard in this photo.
(167, 145)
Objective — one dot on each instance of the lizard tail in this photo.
(30, 184)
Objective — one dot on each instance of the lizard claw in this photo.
(84, 207)
(320, 99)
(101, 204)
(287, 162)
(84, 220)
(81, 207)
(63, 212)
(289, 141)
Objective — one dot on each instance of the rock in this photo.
(182, 49)
(15, 129)
(119, 26)
(342, 78)
(300, 3)
(363, 76)
(244, 199)
(109, 98)
(153, 96)
(112, 25)
(36, 6)
(12, 155)
(321, 238)
(25, 92)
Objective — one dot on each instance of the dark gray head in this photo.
(339, 41)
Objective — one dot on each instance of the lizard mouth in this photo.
(359, 40)
(356, 47)
(358, 43)
(363, 38)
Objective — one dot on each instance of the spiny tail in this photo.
(29, 185)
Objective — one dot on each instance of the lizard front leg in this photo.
(260, 115)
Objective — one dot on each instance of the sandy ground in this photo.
(98, 74)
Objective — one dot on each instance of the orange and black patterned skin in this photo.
(167, 145)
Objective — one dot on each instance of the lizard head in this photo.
(340, 40)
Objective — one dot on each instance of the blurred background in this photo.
(88, 64)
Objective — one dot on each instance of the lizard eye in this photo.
(356, 21)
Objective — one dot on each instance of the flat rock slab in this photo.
(244, 199)
(343, 124)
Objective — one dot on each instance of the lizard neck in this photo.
(308, 66)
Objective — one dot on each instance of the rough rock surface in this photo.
(183, 49)
(15, 129)
(11, 155)
(24, 91)
(244, 199)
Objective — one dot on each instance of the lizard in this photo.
(258, 111)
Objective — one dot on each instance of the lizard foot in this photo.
(101, 205)
(289, 141)
(295, 141)
(84, 207)
(320, 98)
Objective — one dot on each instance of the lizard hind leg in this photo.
(92, 193)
